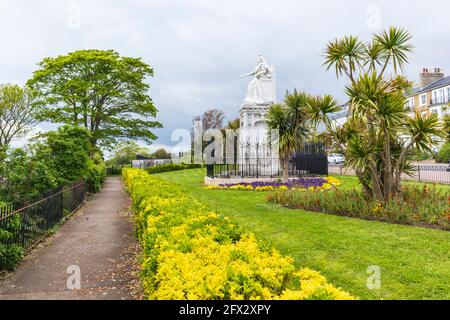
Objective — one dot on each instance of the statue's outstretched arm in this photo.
(248, 74)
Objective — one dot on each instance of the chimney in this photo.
(427, 77)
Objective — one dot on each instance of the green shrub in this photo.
(444, 154)
(173, 167)
(23, 175)
(66, 150)
(96, 174)
(10, 256)
(190, 252)
(417, 206)
(421, 156)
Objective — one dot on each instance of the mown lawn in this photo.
(350, 182)
(414, 262)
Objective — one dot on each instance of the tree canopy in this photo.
(127, 151)
(161, 154)
(17, 112)
(211, 119)
(99, 90)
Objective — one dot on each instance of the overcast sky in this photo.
(198, 48)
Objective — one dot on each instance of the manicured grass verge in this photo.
(414, 261)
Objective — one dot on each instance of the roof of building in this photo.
(436, 84)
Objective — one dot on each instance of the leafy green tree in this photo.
(66, 150)
(161, 154)
(100, 91)
(127, 151)
(233, 124)
(380, 136)
(17, 112)
(24, 176)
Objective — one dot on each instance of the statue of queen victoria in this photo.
(261, 88)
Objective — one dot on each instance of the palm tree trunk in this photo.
(285, 167)
(365, 187)
(376, 183)
(388, 179)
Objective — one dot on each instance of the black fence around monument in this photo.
(309, 160)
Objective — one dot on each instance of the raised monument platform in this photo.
(255, 151)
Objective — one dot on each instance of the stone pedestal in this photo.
(255, 151)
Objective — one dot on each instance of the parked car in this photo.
(336, 158)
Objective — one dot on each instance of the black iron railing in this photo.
(256, 161)
(440, 100)
(26, 223)
(433, 173)
(250, 168)
(299, 166)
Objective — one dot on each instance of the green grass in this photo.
(414, 262)
(351, 182)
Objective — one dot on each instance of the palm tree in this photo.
(290, 119)
(233, 124)
(379, 136)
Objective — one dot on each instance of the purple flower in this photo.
(292, 183)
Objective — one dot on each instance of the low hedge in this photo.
(190, 252)
(423, 206)
(173, 167)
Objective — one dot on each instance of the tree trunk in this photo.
(286, 167)
(376, 183)
(366, 188)
(398, 184)
(387, 179)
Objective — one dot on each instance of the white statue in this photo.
(261, 88)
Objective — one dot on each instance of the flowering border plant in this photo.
(301, 184)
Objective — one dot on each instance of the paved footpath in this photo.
(98, 239)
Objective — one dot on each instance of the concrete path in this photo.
(98, 240)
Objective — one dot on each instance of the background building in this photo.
(432, 93)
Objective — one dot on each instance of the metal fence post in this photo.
(418, 169)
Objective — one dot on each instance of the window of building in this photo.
(423, 99)
(441, 95)
(409, 103)
(448, 94)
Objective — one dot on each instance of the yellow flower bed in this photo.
(193, 253)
